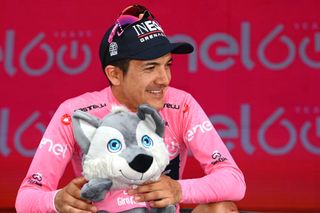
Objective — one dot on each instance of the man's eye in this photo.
(149, 68)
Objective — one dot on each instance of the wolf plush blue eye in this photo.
(114, 145)
(147, 141)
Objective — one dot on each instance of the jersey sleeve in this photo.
(223, 179)
(38, 189)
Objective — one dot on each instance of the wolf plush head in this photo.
(122, 149)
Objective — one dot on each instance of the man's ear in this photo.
(114, 74)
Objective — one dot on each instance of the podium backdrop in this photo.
(255, 71)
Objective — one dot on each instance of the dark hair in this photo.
(122, 64)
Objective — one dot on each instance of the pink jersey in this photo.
(187, 129)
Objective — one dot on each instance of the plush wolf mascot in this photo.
(121, 150)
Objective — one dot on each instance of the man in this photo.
(136, 57)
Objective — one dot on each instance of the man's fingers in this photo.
(160, 203)
(145, 188)
(163, 192)
(82, 205)
(75, 186)
(68, 199)
(79, 181)
(144, 194)
(157, 199)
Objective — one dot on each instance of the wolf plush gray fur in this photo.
(121, 150)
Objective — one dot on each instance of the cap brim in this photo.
(158, 51)
(182, 48)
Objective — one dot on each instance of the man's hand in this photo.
(68, 198)
(158, 194)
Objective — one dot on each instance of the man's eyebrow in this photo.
(154, 63)
(170, 60)
(150, 63)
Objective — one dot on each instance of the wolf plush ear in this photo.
(84, 127)
(146, 109)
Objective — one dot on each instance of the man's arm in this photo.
(38, 191)
(223, 180)
(167, 191)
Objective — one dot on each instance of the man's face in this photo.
(145, 82)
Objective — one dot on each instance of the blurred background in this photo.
(255, 71)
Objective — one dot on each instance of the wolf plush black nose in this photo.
(141, 163)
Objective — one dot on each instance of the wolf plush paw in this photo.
(95, 190)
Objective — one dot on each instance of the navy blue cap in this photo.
(142, 40)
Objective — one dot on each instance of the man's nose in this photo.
(163, 76)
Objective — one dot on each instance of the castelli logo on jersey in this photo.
(171, 106)
(66, 119)
(92, 107)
